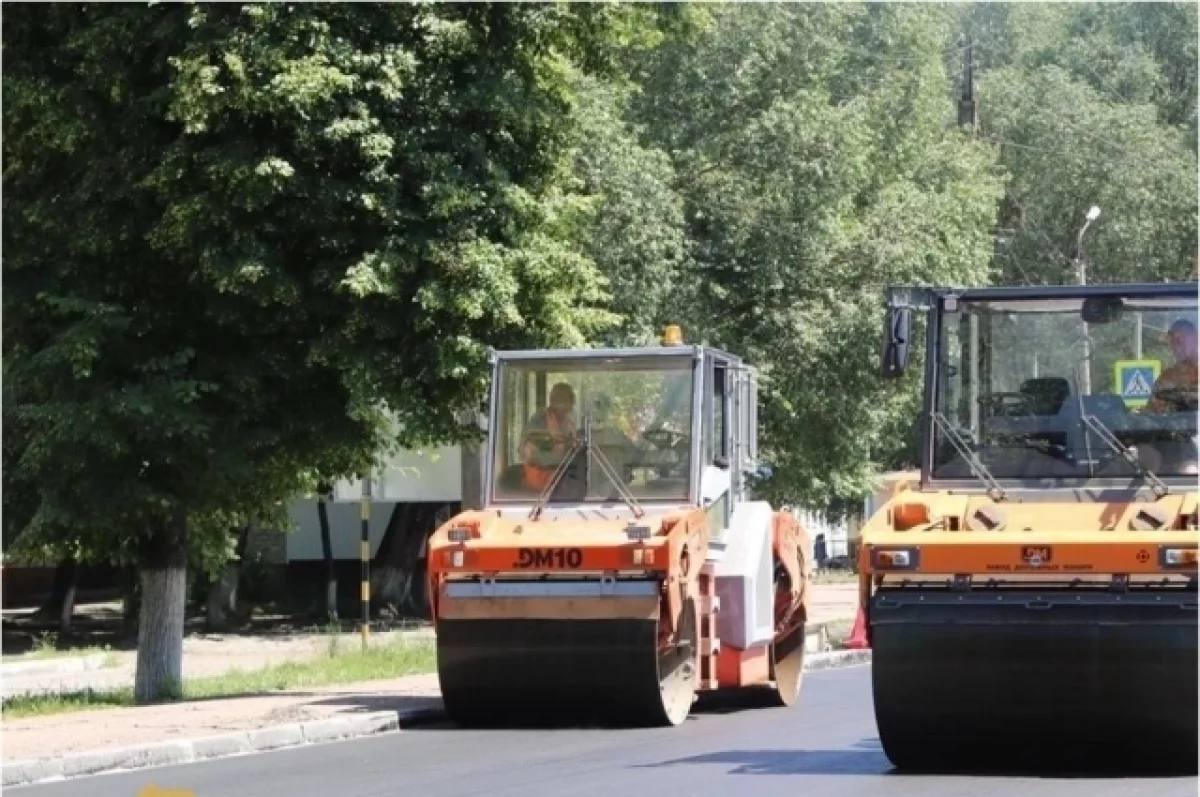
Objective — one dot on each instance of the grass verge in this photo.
(46, 647)
(393, 660)
(835, 577)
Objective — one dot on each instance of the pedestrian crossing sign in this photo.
(1135, 380)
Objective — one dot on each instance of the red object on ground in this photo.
(858, 635)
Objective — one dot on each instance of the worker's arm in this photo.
(1181, 376)
(537, 447)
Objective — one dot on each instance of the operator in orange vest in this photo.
(1179, 456)
(541, 457)
(1182, 375)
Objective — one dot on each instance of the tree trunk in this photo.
(61, 604)
(331, 584)
(223, 593)
(239, 564)
(159, 673)
(398, 582)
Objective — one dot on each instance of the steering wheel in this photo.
(663, 439)
(545, 441)
(1008, 405)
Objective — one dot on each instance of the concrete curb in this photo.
(837, 658)
(276, 737)
(188, 751)
(59, 666)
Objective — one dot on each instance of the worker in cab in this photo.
(1179, 378)
(1174, 391)
(547, 438)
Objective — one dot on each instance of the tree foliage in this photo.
(236, 234)
(1092, 104)
(818, 159)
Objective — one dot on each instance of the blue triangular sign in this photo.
(1137, 384)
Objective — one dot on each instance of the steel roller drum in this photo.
(1042, 678)
(510, 672)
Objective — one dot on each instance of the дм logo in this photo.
(1036, 555)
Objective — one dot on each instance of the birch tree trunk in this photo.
(159, 674)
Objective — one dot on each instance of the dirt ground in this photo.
(265, 641)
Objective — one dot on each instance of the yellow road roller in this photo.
(619, 567)
(1030, 599)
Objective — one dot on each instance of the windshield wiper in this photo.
(994, 490)
(584, 443)
(1111, 440)
(1105, 434)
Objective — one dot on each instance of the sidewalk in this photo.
(833, 602)
(59, 734)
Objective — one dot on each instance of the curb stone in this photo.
(277, 737)
(60, 666)
(837, 658)
(187, 751)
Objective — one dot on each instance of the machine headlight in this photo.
(895, 558)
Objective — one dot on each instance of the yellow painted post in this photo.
(365, 556)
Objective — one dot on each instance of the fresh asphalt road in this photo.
(824, 746)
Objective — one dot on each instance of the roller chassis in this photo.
(623, 612)
(1033, 624)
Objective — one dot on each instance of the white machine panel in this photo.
(745, 576)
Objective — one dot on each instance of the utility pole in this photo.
(1081, 277)
(365, 559)
(968, 116)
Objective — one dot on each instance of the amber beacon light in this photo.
(673, 335)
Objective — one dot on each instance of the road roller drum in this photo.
(1027, 678)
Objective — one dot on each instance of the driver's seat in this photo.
(1046, 393)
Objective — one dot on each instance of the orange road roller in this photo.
(1030, 599)
(619, 567)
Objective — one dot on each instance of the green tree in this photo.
(1091, 104)
(1068, 148)
(236, 234)
(636, 233)
(819, 162)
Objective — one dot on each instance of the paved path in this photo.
(825, 746)
(834, 602)
(55, 735)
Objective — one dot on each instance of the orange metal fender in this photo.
(790, 541)
(687, 541)
(477, 521)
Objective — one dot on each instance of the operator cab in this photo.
(621, 430)
(1067, 385)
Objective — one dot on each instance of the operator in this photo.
(541, 459)
(1180, 457)
(1182, 375)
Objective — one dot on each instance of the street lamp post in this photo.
(1081, 275)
